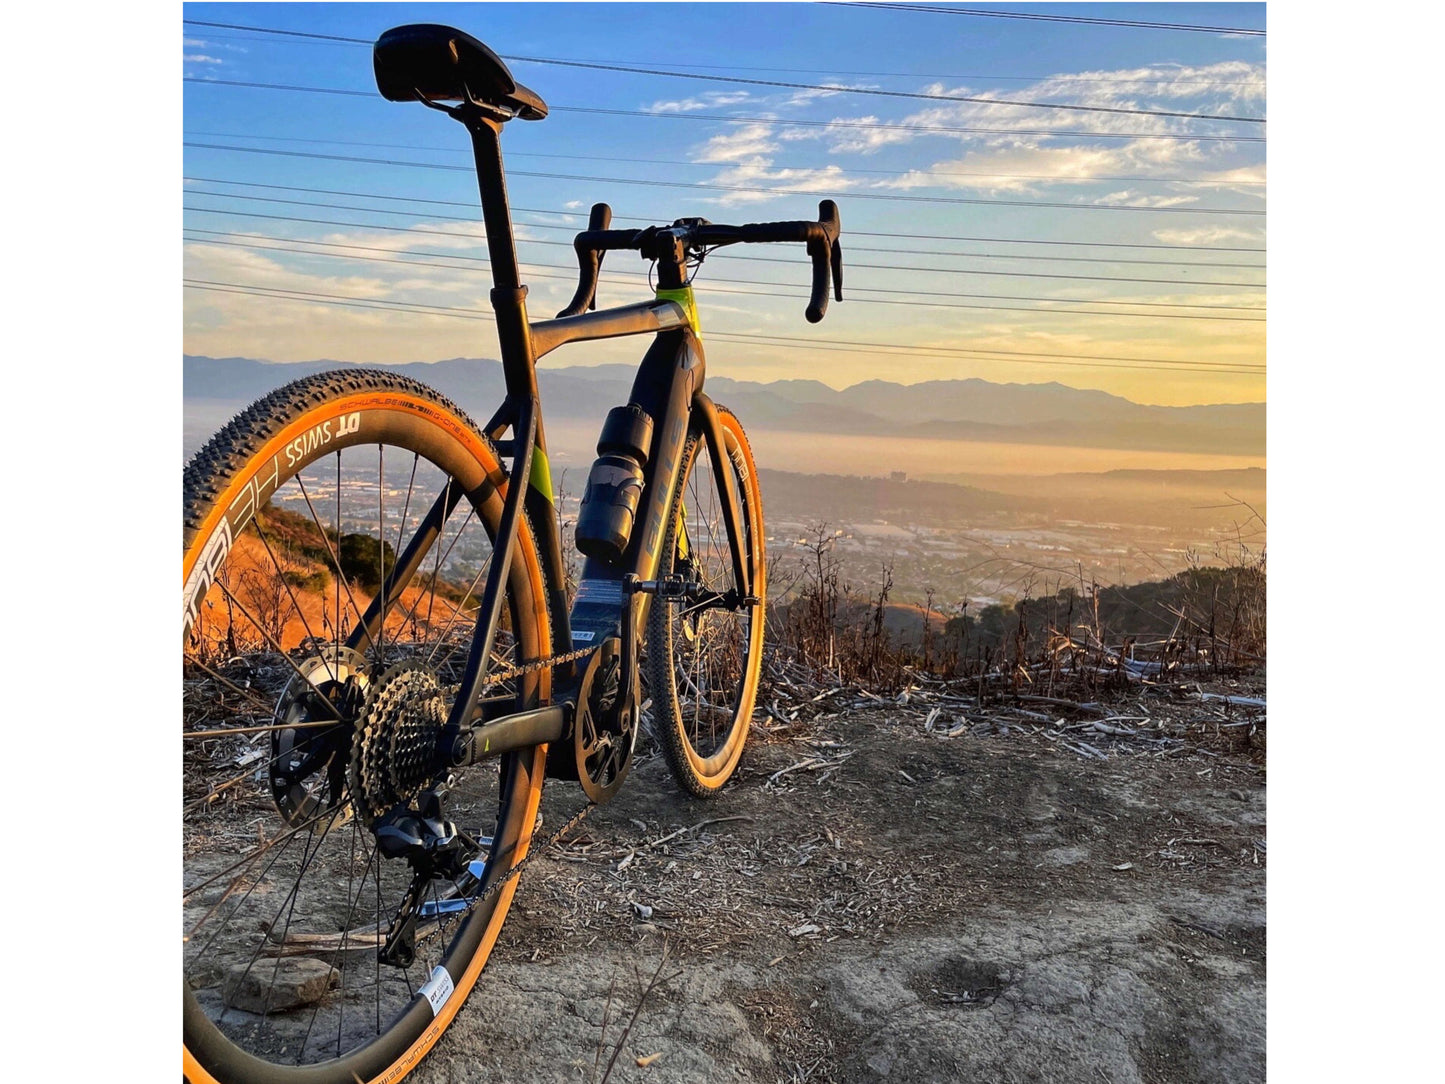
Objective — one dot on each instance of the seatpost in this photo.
(509, 296)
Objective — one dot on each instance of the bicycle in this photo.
(400, 724)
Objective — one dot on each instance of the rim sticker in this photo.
(437, 989)
(204, 572)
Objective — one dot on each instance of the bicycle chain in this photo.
(538, 664)
(577, 818)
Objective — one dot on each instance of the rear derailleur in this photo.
(435, 848)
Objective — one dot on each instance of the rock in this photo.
(1065, 856)
(882, 1064)
(299, 981)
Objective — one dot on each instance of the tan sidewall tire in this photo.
(398, 406)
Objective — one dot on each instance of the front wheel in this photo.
(704, 658)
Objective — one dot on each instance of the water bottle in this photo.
(614, 486)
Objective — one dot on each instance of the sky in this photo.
(1113, 246)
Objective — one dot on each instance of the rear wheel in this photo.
(337, 536)
(704, 660)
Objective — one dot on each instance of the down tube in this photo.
(670, 375)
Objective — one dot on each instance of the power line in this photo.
(971, 99)
(709, 186)
(534, 274)
(628, 218)
(851, 232)
(1094, 20)
(752, 67)
(278, 293)
(979, 355)
(718, 118)
(709, 278)
(276, 30)
(867, 300)
(874, 92)
(981, 350)
(1206, 182)
(763, 259)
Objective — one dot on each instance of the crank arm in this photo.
(523, 730)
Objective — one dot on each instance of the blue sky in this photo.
(1145, 279)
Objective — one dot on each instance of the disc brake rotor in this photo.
(310, 748)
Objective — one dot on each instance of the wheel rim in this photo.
(712, 649)
(286, 904)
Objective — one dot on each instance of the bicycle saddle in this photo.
(425, 61)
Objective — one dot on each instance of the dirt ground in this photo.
(871, 899)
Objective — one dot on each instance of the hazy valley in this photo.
(978, 492)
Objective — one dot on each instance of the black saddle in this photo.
(424, 61)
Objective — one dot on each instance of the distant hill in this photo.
(969, 410)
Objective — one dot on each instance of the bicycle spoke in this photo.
(281, 575)
(331, 550)
(379, 648)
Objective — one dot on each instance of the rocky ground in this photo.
(892, 892)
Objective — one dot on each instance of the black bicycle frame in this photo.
(668, 386)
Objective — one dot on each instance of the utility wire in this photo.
(710, 279)
(708, 186)
(1088, 19)
(1206, 182)
(636, 218)
(972, 99)
(981, 350)
(278, 293)
(1162, 81)
(716, 118)
(534, 274)
(921, 304)
(924, 352)
(719, 118)
(626, 218)
(453, 234)
(760, 259)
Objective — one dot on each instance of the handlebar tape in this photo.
(820, 238)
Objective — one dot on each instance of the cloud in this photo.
(747, 141)
(756, 173)
(1130, 198)
(1024, 165)
(201, 58)
(1229, 87)
(713, 99)
(853, 135)
(1208, 235)
(805, 97)
(218, 46)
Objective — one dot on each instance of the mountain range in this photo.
(971, 409)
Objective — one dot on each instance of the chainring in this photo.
(604, 734)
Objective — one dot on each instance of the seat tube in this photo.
(519, 368)
(509, 296)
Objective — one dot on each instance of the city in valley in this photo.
(944, 521)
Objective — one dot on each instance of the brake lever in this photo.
(827, 254)
(589, 265)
